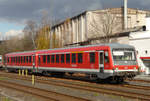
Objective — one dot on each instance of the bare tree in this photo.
(104, 24)
(45, 21)
(43, 35)
(31, 28)
(67, 31)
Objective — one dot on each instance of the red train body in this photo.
(1, 61)
(104, 60)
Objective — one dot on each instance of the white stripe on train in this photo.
(71, 69)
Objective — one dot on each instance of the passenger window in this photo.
(73, 58)
(27, 59)
(106, 57)
(8, 59)
(52, 58)
(30, 59)
(80, 56)
(24, 59)
(21, 59)
(67, 58)
(62, 58)
(57, 58)
(92, 57)
(48, 58)
(38, 58)
(16, 59)
(44, 58)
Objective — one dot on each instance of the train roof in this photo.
(79, 48)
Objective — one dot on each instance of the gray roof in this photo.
(112, 45)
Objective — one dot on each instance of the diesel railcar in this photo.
(103, 61)
(1, 61)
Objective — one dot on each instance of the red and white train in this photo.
(1, 61)
(105, 61)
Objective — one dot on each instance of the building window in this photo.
(67, 58)
(146, 52)
(73, 58)
(80, 57)
(137, 52)
(92, 57)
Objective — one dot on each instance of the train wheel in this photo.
(119, 80)
(58, 74)
(70, 73)
(45, 73)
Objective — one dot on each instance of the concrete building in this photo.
(92, 24)
(140, 40)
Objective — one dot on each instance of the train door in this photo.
(33, 64)
(101, 61)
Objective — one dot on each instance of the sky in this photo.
(15, 13)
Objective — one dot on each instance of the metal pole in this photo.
(19, 72)
(22, 72)
(125, 15)
(33, 80)
(26, 72)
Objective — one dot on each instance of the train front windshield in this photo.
(0, 58)
(124, 57)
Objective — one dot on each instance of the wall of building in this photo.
(140, 40)
(72, 30)
(148, 23)
(81, 27)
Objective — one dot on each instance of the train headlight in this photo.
(134, 68)
(116, 68)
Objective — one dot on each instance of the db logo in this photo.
(125, 67)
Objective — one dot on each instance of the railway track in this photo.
(136, 87)
(99, 88)
(139, 80)
(107, 89)
(42, 93)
